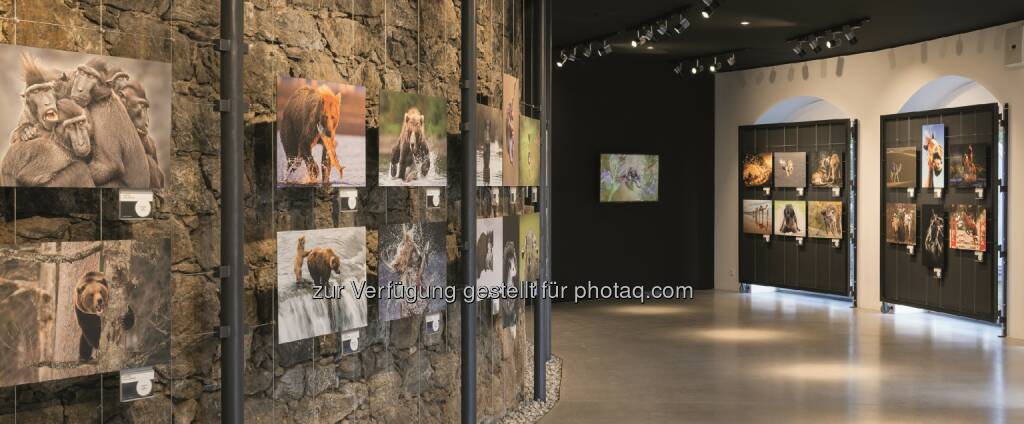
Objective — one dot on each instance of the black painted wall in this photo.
(613, 106)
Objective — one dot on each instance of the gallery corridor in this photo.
(779, 357)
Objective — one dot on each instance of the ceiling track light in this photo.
(850, 35)
(682, 25)
(731, 60)
(835, 41)
(588, 51)
(636, 41)
(814, 45)
(709, 8)
(605, 48)
(678, 69)
(697, 67)
(572, 55)
(798, 49)
(663, 27)
(562, 59)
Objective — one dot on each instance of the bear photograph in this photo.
(790, 169)
(412, 255)
(71, 309)
(81, 120)
(318, 272)
(321, 133)
(790, 218)
(529, 151)
(510, 129)
(901, 167)
(413, 140)
(488, 146)
(489, 244)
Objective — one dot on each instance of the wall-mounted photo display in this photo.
(489, 244)
(933, 157)
(321, 133)
(757, 217)
(529, 247)
(510, 114)
(412, 255)
(318, 273)
(968, 165)
(80, 308)
(488, 146)
(413, 140)
(933, 230)
(827, 168)
(791, 218)
(825, 219)
(529, 151)
(901, 223)
(757, 170)
(791, 169)
(81, 120)
(511, 276)
(901, 167)
(968, 227)
(629, 178)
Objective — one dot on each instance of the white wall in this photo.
(867, 86)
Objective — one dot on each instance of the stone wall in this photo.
(400, 375)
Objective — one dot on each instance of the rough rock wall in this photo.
(400, 375)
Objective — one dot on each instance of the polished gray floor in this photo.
(779, 358)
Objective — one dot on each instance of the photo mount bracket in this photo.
(910, 249)
(937, 192)
(910, 192)
(979, 256)
(937, 272)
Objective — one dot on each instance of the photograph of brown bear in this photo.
(318, 272)
(510, 115)
(321, 133)
(83, 120)
(412, 255)
(413, 140)
(95, 307)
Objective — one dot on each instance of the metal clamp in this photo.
(224, 45)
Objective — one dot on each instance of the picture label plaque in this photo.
(938, 193)
(910, 249)
(835, 192)
(980, 192)
(135, 204)
(979, 256)
(348, 199)
(800, 241)
(767, 191)
(767, 238)
(800, 191)
(910, 192)
(433, 198)
(350, 342)
(432, 323)
(137, 384)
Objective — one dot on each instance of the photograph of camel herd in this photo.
(81, 120)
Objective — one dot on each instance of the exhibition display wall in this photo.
(794, 189)
(940, 186)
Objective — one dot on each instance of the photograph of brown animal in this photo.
(134, 97)
(91, 299)
(410, 158)
(310, 118)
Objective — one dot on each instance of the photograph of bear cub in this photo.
(71, 309)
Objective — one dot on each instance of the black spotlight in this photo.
(636, 42)
(798, 49)
(709, 8)
(851, 36)
(588, 50)
(663, 27)
(649, 34)
(814, 45)
(562, 58)
(731, 60)
(834, 42)
(714, 66)
(682, 25)
(572, 55)
(678, 69)
(605, 48)
(697, 67)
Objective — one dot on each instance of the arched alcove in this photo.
(946, 92)
(801, 109)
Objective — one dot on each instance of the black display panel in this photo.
(822, 263)
(956, 281)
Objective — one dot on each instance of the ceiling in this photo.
(772, 22)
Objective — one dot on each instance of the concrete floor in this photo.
(779, 358)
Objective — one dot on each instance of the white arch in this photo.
(801, 109)
(948, 91)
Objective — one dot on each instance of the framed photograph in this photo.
(968, 165)
(413, 140)
(933, 229)
(321, 133)
(629, 178)
(790, 169)
(933, 156)
(756, 170)
(489, 244)
(825, 219)
(529, 247)
(511, 270)
(412, 255)
(901, 167)
(529, 151)
(757, 217)
(112, 130)
(901, 223)
(510, 114)
(968, 228)
(827, 168)
(489, 146)
(791, 218)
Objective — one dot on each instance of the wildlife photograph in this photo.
(827, 168)
(901, 223)
(629, 178)
(825, 219)
(412, 255)
(488, 146)
(790, 218)
(321, 133)
(968, 165)
(790, 169)
(933, 232)
(81, 120)
(933, 156)
(757, 217)
(510, 114)
(327, 264)
(489, 244)
(968, 227)
(529, 151)
(510, 271)
(901, 167)
(72, 309)
(756, 170)
(413, 140)
(529, 247)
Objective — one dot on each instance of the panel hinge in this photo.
(224, 45)
(223, 272)
(224, 331)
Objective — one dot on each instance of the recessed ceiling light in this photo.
(650, 47)
(745, 23)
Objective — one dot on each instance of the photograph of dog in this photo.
(510, 114)
(413, 140)
(321, 133)
(791, 169)
(489, 245)
(81, 120)
(489, 146)
(412, 255)
(901, 167)
(790, 218)
(825, 219)
(72, 309)
(317, 273)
